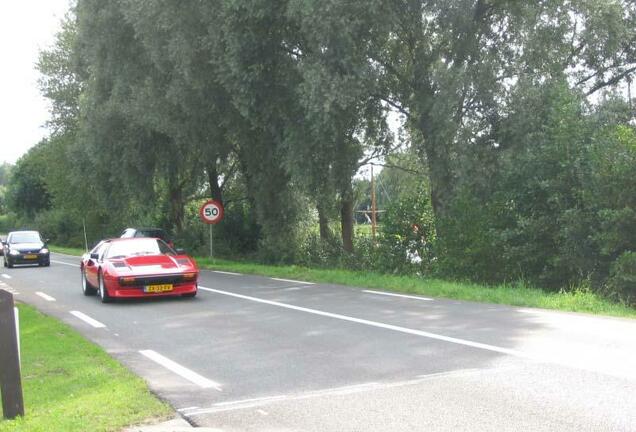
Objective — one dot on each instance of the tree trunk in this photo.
(438, 156)
(215, 189)
(175, 195)
(441, 181)
(323, 222)
(346, 217)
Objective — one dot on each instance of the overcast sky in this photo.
(26, 26)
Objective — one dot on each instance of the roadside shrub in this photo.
(407, 236)
(7, 222)
(61, 229)
(315, 252)
(621, 284)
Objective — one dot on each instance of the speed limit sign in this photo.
(211, 212)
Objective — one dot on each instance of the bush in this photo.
(7, 223)
(621, 284)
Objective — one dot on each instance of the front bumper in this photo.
(116, 290)
(29, 258)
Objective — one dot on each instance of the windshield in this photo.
(25, 237)
(123, 249)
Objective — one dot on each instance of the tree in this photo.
(449, 66)
(341, 119)
(27, 191)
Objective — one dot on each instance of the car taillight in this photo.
(189, 276)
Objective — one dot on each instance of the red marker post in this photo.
(211, 213)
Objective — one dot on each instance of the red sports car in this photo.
(137, 267)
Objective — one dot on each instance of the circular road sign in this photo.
(211, 212)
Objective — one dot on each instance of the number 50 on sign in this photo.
(211, 212)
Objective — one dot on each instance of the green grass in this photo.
(517, 294)
(67, 250)
(70, 384)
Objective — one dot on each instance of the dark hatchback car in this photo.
(147, 232)
(25, 247)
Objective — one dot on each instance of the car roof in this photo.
(24, 232)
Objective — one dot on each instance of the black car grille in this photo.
(29, 251)
(155, 280)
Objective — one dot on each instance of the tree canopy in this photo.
(505, 128)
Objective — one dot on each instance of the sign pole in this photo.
(211, 212)
(211, 243)
(10, 380)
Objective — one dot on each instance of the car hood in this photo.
(153, 264)
(26, 246)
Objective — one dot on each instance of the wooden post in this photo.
(10, 381)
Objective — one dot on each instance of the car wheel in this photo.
(9, 263)
(87, 289)
(47, 263)
(189, 294)
(103, 293)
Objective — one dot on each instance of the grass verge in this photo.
(580, 300)
(70, 384)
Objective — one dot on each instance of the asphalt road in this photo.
(256, 353)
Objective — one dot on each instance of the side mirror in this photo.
(180, 251)
(94, 256)
(46, 241)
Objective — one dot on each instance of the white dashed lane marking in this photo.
(183, 372)
(88, 319)
(45, 296)
(293, 281)
(226, 273)
(397, 295)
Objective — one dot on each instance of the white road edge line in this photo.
(188, 408)
(65, 263)
(398, 295)
(45, 296)
(293, 281)
(227, 273)
(191, 376)
(6, 276)
(63, 254)
(400, 329)
(88, 319)
(335, 391)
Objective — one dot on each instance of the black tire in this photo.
(189, 295)
(87, 288)
(9, 263)
(103, 293)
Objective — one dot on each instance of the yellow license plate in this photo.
(158, 288)
(30, 257)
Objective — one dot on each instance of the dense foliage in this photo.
(505, 130)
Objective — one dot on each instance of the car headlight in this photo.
(44, 251)
(14, 252)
